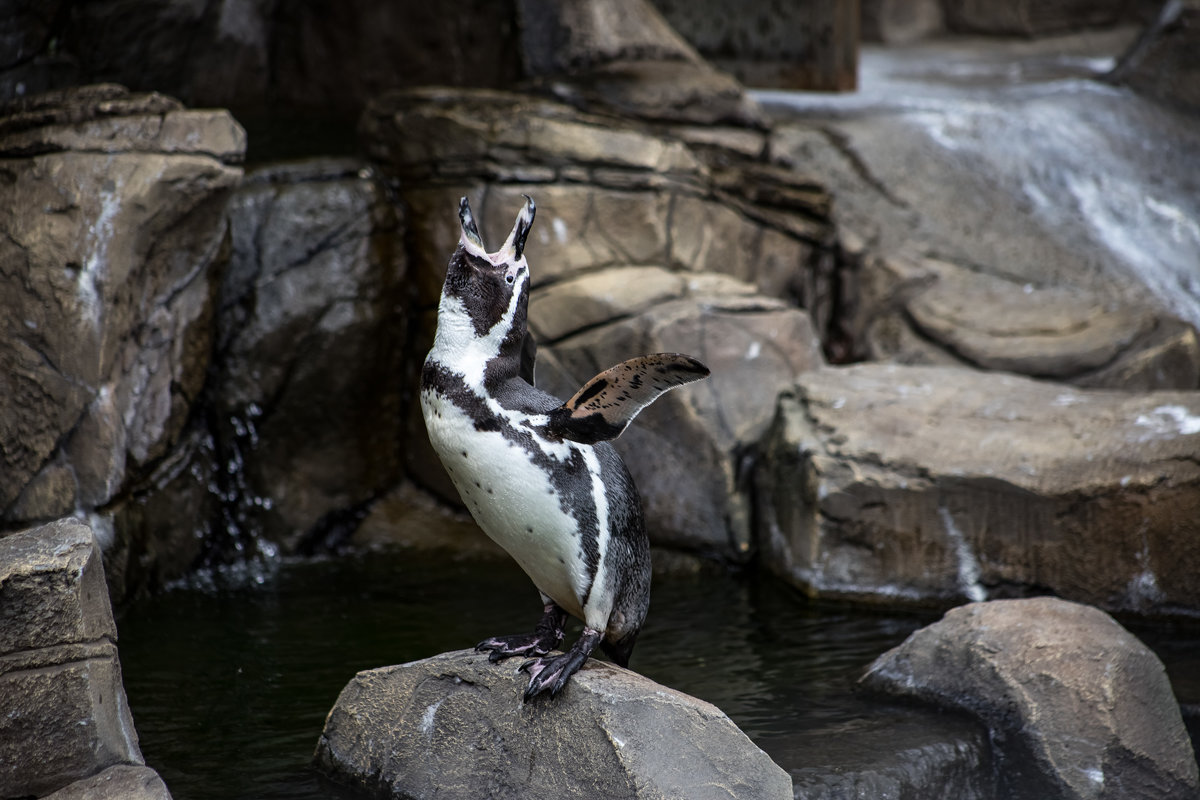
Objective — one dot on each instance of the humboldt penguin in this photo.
(537, 474)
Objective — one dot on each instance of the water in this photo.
(229, 679)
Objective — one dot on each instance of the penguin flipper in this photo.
(606, 404)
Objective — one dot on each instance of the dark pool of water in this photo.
(229, 680)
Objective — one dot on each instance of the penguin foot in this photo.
(545, 637)
(552, 672)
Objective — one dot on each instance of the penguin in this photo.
(539, 475)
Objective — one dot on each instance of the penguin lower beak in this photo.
(520, 231)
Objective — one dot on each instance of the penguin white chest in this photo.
(505, 475)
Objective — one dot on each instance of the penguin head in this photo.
(490, 286)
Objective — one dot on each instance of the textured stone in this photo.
(123, 782)
(919, 483)
(1076, 705)
(112, 216)
(455, 725)
(308, 385)
(65, 713)
(622, 56)
(932, 312)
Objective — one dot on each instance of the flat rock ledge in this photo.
(1077, 707)
(455, 726)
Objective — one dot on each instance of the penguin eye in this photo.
(509, 279)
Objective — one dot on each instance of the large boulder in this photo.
(454, 725)
(686, 452)
(113, 217)
(66, 717)
(889, 483)
(1077, 707)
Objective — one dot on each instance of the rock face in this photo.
(1162, 63)
(923, 483)
(640, 245)
(308, 383)
(1077, 706)
(454, 725)
(622, 56)
(65, 713)
(944, 314)
(1022, 189)
(106, 294)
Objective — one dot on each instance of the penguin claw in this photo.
(551, 673)
(499, 648)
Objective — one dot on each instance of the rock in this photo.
(66, 716)
(1007, 191)
(1077, 706)
(116, 783)
(320, 60)
(622, 56)
(1162, 63)
(113, 220)
(802, 46)
(949, 315)
(901, 21)
(455, 725)
(921, 484)
(755, 347)
(1029, 18)
(308, 381)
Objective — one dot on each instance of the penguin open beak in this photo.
(513, 247)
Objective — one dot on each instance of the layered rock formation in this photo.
(1077, 706)
(106, 290)
(66, 722)
(455, 725)
(925, 483)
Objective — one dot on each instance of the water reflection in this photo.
(230, 676)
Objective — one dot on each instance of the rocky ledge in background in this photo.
(455, 726)
(1078, 708)
(920, 484)
(65, 727)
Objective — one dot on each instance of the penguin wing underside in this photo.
(606, 404)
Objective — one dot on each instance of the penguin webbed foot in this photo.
(545, 637)
(552, 672)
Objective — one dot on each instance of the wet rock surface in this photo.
(66, 717)
(1076, 705)
(923, 483)
(307, 387)
(106, 291)
(1033, 172)
(455, 725)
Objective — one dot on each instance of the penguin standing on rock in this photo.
(537, 474)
